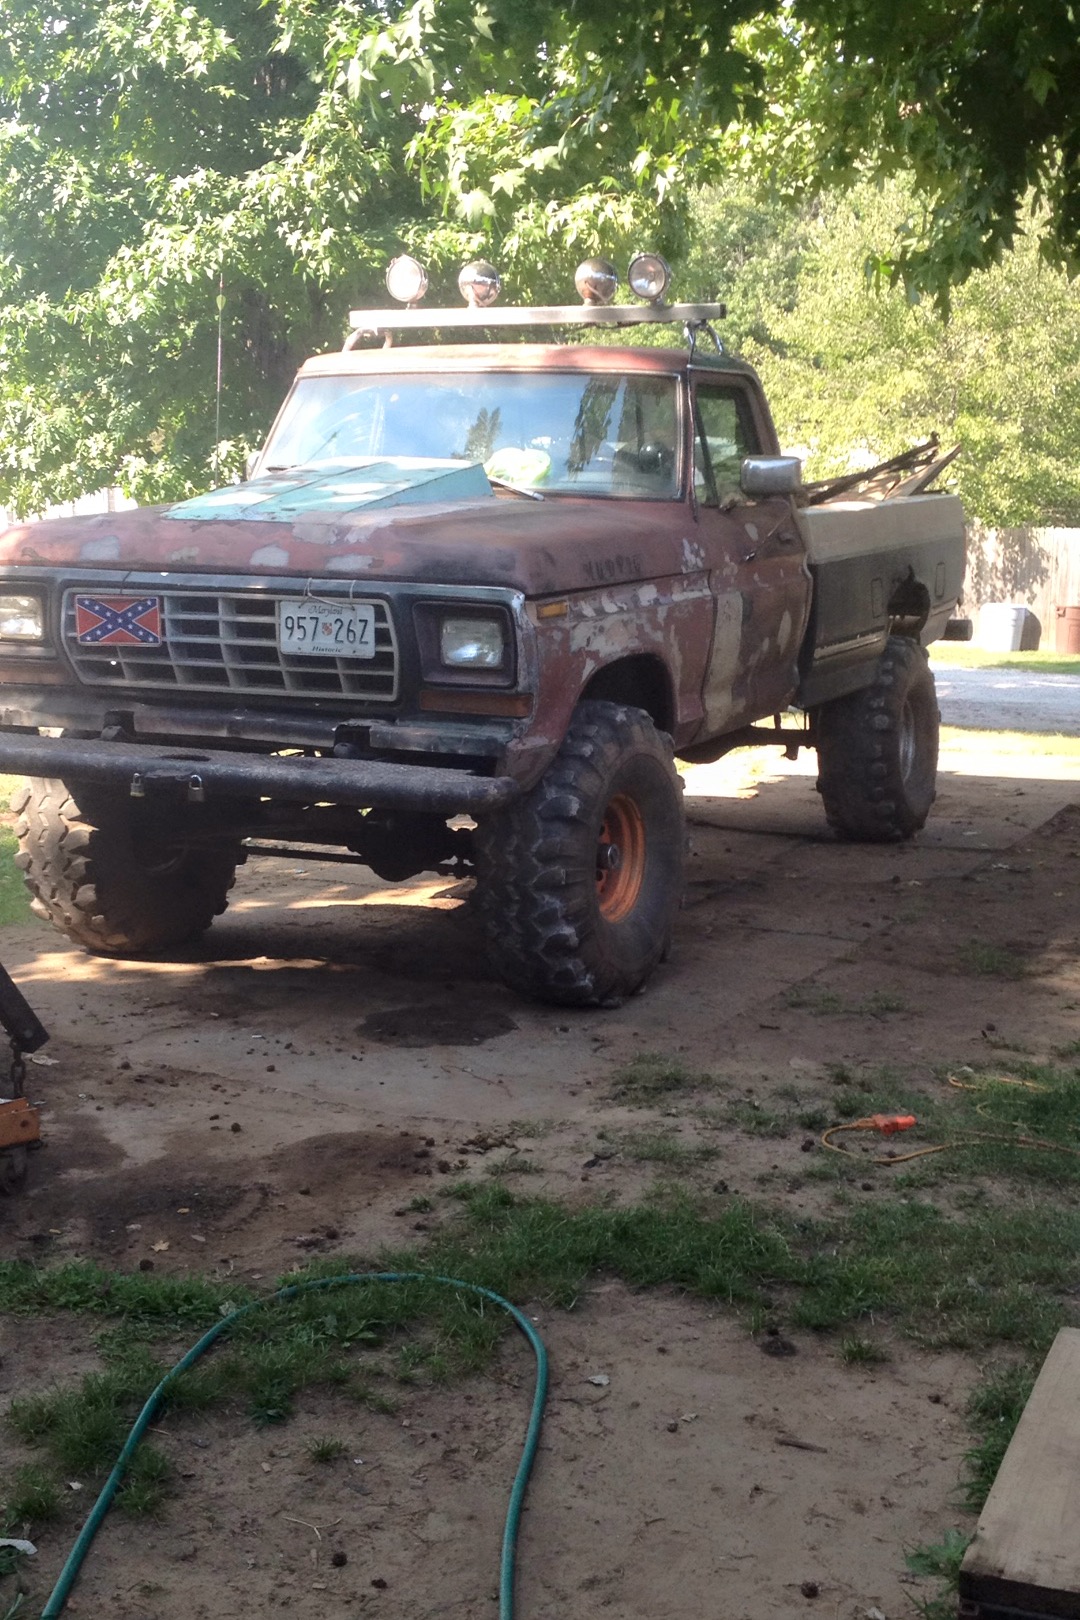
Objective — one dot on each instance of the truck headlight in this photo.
(472, 643)
(22, 618)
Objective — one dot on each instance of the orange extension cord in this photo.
(890, 1124)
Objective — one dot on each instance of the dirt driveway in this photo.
(336, 1052)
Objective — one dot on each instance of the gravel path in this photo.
(1008, 700)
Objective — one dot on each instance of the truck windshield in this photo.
(563, 433)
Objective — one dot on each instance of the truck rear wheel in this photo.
(878, 750)
(102, 883)
(580, 881)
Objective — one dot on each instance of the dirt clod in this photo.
(778, 1346)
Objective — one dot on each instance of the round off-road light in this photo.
(596, 281)
(649, 277)
(479, 284)
(406, 280)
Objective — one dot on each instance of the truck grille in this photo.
(227, 642)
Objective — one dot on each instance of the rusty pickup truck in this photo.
(469, 607)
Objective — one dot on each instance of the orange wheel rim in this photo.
(620, 859)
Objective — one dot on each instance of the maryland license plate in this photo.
(326, 629)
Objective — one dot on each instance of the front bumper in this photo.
(359, 783)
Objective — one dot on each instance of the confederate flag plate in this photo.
(118, 621)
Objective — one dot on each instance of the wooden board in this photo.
(1026, 1552)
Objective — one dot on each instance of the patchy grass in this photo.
(515, 1164)
(989, 1275)
(1010, 744)
(994, 1410)
(989, 1124)
(34, 1497)
(270, 1357)
(972, 1249)
(753, 1117)
(991, 961)
(750, 1116)
(326, 1448)
(946, 1283)
(653, 1077)
(820, 1002)
(146, 1483)
(882, 1002)
(533, 1129)
(962, 655)
(861, 1352)
(659, 1147)
(826, 1003)
(942, 1560)
(139, 1299)
(14, 900)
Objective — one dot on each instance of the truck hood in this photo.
(430, 522)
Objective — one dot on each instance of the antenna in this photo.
(220, 322)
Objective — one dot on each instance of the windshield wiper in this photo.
(335, 463)
(516, 489)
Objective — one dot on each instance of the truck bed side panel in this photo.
(874, 562)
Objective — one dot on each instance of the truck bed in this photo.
(876, 565)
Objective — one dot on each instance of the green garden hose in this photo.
(69, 1574)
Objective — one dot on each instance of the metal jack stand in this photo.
(20, 1124)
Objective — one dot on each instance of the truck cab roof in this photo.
(522, 357)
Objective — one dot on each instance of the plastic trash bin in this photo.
(1067, 629)
(1006, 627)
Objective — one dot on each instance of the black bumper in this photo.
(359, 783)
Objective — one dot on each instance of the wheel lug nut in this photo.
(608, 858)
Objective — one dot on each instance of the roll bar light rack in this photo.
(694, 318)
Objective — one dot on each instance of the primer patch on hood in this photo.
(393, 481)
(106, 549)
(270, 557)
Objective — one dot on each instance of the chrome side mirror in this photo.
(761, 476)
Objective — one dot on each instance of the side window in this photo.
(724, 433)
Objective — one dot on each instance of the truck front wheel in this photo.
(580, 881)
(105, 884)
(878, 749)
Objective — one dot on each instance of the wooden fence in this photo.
(1034, 568)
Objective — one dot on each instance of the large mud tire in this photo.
(878, 750)
(580, 881)
(98, 882)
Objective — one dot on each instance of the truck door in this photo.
(756, 562)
